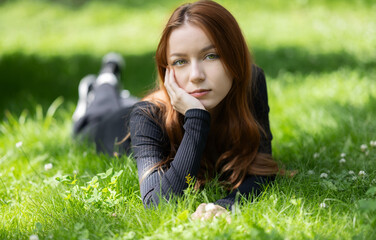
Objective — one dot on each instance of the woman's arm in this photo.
(150, 146)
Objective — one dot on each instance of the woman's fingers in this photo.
(201, 207)
(209, 211)
(199, 211)
(167, 83)
(172, 81)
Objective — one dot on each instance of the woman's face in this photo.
(197, 65)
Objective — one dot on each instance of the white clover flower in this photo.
(363, 147)
(354, 178)
(373, 143)
(19, 144)
(362, 173)
(48, 166)
(322, 205)
(342, 160)
(343, 155)
(323, 175)
(34, 237)
(311, 172)
(316, 155)
(351, 172)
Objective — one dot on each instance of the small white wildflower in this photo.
(322, 205)
(316, 155)
(343, 155)
(363, 147)
(19, 144)
(342, 160)
(323, 175)
(373, 143)
(362, 173)
(34, 237)
(366, 153)
(354, 178)
(351, 172)
(48, 166)
(311, 172)
(75, 172)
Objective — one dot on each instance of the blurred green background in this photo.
(46, 47)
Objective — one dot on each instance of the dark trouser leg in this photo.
(111, 130)
(105, 102)
(106, 120)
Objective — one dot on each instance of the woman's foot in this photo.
(110, 73)
(85, 96)
(113, 62)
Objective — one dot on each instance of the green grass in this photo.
(320, 63)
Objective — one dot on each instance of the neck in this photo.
(214, 113)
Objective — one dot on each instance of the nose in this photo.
(197, 74)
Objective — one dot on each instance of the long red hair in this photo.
(233, 150)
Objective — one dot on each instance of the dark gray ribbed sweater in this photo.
(151, 145)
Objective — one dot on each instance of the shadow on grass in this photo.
(30, 79)
(300, 61)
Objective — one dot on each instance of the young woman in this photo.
(208, 115)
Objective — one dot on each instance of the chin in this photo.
(208, 106)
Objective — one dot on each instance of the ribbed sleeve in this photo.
(151, 145)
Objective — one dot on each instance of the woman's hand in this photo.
(180, 99)
(210, 210)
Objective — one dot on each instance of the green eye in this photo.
(178, 62)
(212, 56)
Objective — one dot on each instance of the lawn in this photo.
(320, 62)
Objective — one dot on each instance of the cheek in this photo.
(225, 84)
(229, 85)
(225, 88)
(181, 77)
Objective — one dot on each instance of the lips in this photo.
(200, 92)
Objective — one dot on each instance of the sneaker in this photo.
(112, 63)
(85, 96)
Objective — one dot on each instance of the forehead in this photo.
(187, 38)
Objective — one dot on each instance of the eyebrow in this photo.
(201, 51)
